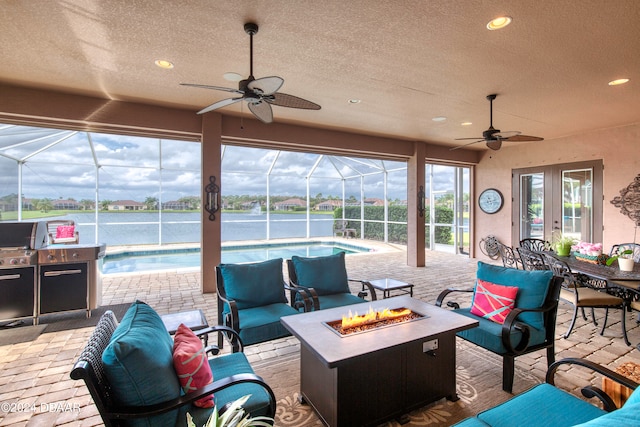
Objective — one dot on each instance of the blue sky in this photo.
(62, 164)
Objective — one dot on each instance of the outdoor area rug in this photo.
(78, 319)
(479, 386)
(18, 334)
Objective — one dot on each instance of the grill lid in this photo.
(24, 235)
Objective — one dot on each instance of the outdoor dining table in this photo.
(626, 283)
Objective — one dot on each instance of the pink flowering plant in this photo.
(586, 248)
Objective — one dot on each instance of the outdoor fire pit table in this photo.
(375, 375)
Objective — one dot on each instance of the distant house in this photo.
(61, 204)
(11, 204)
(373, 202)
(175, 205)
(328, 205)
(289, 205)
(27, 204)
(126, 205)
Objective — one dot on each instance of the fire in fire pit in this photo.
(354, 323)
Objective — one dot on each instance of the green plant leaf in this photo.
(620, 255)
(234, 416)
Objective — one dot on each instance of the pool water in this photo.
(156, 260)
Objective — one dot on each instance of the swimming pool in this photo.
(180, 259)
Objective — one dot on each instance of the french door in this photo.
(563, 198)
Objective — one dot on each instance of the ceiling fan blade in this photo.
(495, 145)
(285, 100)
(469, 143)
(506, 135)
(262, 111)
(219, 104)
(524, 138)
(226, 89)
(266, 85)
(462, 139)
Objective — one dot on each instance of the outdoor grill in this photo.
(70, 278)
(19, 242)
(37, 279)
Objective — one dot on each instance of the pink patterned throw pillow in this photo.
(191, 364)
(493, 302)
(65, 231)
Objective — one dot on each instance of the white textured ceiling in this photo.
(407, 60)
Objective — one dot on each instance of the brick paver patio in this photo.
(34, 376)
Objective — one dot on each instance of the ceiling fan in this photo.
(494, 137)
(259, 94)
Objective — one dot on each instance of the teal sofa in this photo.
(545, 405)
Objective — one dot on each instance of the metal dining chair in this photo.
(579, 290)
(635, 247)
(532, 260)
(535, 245)
(509, 257)
(621, 247)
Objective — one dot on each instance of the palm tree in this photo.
(151, 203)
(44, 205)
(104, 205)
(86, 204)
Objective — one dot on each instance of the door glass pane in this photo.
(577, 202)
(447, 208)
(532, 206)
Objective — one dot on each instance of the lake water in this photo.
(132, 228)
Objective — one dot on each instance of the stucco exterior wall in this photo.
(618, 148)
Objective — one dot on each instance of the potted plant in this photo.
(562, 245)
(625, 260)
(234, 416)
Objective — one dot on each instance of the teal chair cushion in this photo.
(634, 398)
(224, 366)
(259, 324)
(338, 300)
(488, 334)
(532, 288)
(628, 415)
(471, 422)
(254, 285)
(138, 363)
(326, 274)
(543, 404)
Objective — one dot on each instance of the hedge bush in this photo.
(397, 232)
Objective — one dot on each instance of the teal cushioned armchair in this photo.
(251, 300)
(129, 372)
(529, 327)
(324, 280)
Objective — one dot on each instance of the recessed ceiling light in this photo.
(617, 82)
(439, 119)
(355, 101)
(466, 123)
(499, 22)
(162, 63)
(232, 77)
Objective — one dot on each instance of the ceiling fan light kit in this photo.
(259, 94)
(493, 137)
